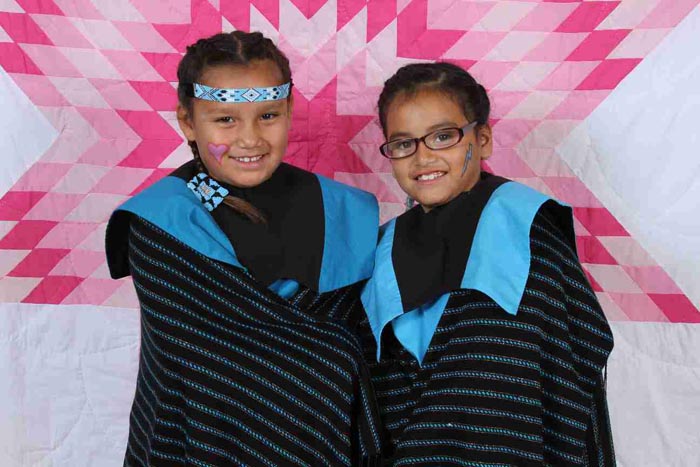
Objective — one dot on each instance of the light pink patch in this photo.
(76, 134)
(639, 43)
(9, 259)
(567, 76)
(79, 9)
(572, 190)
(124, 297)
(54, 206)
(611, 309)
(92, 291)
(14, 289)
(652, 279)
(96, 240)
(474, 45)
(638, 307)
(67, 235)
(460, 14)
(556, 47)
(108, 152)
(50, 60)
(41, 177)
(217, 150)
(161, 11)
(78, 263)
(122, 180)
(132, 65)
(516, 45)
(95, 207)
(613, 278)
(579, 104)
(39, 89)
(627, 251)
(143, 36)
(108, 124)
(489, 74)
(120, 95)
(546, 17)
(668, 13)
(507, 163)
(90, 63)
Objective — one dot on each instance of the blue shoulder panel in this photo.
(499, 261)
(170, 205)
(351, 227)
(380, 296)
(498, 266)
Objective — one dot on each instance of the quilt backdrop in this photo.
(594, 102)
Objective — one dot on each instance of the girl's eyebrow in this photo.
(437, 126)
(219, 108)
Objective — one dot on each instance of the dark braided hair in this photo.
(235, 48)
(447, 78)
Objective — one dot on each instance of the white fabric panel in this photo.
(68, 379)
(654, 394)
(638, 152)
(24, 132)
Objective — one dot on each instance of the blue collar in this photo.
(498, 266)
(351, 220)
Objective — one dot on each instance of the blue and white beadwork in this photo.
(235, 95)
(207, 190)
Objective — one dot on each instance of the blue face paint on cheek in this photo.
(467, 158)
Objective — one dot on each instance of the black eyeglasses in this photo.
(438, 139)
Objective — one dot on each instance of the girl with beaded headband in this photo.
(241, 263)
(489, 342)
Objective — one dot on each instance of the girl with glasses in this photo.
(488, 345)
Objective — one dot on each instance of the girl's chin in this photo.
(434, 201)
(246, 178)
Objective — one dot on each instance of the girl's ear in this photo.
(184, 119)
(484, 141)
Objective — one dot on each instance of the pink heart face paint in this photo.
(217, 150)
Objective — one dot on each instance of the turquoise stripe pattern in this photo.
(231, 373)
(524, 386)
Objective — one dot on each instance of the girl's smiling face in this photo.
(435, 177)
(239, 143)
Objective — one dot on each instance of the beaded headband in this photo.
(236, 95)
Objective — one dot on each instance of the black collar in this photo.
(290, 245)
(430, 250)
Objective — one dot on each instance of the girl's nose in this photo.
(248, 135)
